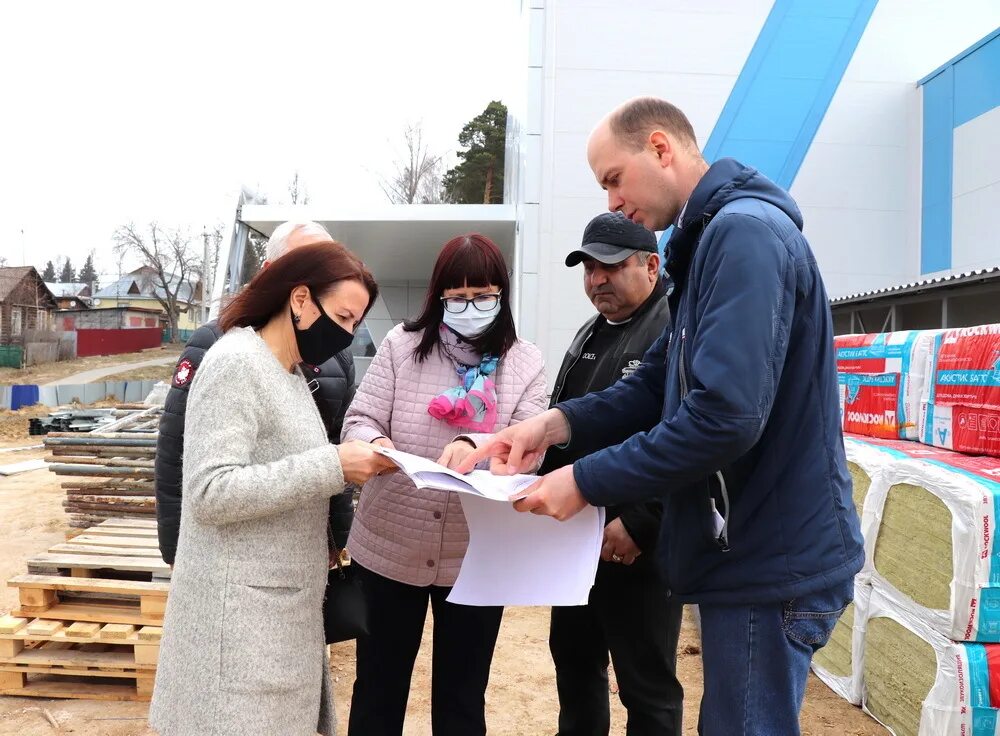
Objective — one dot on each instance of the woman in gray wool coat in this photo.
(243, 647)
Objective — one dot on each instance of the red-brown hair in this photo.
(472, 260)
(320, 266)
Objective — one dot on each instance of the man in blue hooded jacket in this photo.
(732, 420)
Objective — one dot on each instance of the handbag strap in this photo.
(340, 567)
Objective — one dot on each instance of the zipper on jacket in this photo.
(557, 393)
(722, 534)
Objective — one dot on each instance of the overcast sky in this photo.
(130, 111)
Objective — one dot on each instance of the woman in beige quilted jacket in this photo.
(437, 386)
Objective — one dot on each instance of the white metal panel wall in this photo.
(597, 54)
(859, 185)
(976, 193)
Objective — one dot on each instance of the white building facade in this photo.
(828, 98)
(880, 116)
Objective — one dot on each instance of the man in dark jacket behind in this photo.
(732, 420)
(334, 389)
(630, 612)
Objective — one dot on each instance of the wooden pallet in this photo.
(111, 531)
(129, 523)
(76, 635)
(116, 548)
(87, 547)
(85, 520)
(62, 669)
(109, 566)
(21, 685)
(110, 601)
(129, 542)
(17, 634)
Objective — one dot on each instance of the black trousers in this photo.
(630, 614)
(464, 639)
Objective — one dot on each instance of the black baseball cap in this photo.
(611, 238)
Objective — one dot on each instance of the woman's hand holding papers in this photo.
(360, 462)
(455, 453)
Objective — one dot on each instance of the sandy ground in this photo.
(53, 371)
(521, 700)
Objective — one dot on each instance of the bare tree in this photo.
(173, 260)
(254, 195)
(297, 190)
(417, 179)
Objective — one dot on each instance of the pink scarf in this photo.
(473, 404)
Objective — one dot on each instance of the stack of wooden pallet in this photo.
(110, 471)
(90, 617)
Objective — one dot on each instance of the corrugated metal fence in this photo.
(11, 356)
(14, 397)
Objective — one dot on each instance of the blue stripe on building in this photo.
(938, 152)
(955, 93)
(787, 84)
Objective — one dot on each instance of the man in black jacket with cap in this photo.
(630, 612)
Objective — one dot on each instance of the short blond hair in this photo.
(636, 119)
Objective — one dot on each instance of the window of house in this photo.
(15, 321)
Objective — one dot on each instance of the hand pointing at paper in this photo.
(519, 448)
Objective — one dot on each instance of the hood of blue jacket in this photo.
(725, 181)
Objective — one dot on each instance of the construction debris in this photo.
(109, 471)
(86, 420)
(25, 466)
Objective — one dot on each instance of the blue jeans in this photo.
(756, 661)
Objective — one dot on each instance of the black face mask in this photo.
(323, 339)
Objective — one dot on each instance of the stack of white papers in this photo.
(428, 474)
(514, 558)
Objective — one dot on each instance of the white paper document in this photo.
(514, 558)
(428, 474)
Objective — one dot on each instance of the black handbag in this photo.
(345, 612)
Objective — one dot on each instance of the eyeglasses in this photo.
(482, 302)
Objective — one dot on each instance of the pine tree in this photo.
(479, 178)
(49, 274)
(87, 274)
(66, 276)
